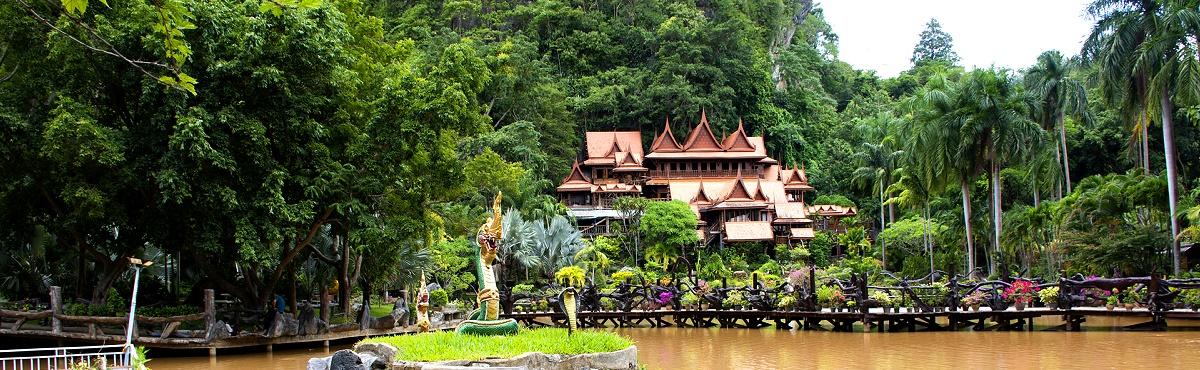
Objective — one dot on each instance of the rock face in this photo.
(617, 360)
(348, 360)
(310, 324)
(400, 311)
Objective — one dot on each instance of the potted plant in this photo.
(788, 303)
(1111, 302)
(882, 299)
(664, 299)
(1020, 293)
(826, 296)
(1133, 297)
(690, 300)
(1049, 297)
(974, 300)
(736, 300)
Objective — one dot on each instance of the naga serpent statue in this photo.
(570, 306)
(485, 320)
(423, 324)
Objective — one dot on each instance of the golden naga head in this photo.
(491, 231)
(423, 294)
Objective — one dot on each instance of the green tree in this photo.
(667, 226)
(934, 45)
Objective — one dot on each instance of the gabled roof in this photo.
(702, 139)
(701, 195)
(576, 180)
(738, 193)
(665, 142)
(737, 141)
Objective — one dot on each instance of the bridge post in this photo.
(55, 309)
(210, 315)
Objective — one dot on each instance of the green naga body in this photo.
(485, 320)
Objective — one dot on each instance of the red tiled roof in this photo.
(702, 138)
(576, 180)
(737, 142)
(748, 231)
(665, 142)
(603, 146)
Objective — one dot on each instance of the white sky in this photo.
(880, 34)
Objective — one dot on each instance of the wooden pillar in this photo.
(56, 309)
(210, 317)
(212, 351)
(325, 305)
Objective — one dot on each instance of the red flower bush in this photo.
(1021, 291)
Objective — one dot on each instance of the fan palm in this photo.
(555, 243)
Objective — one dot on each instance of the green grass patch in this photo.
(444, 346)
(380, 310)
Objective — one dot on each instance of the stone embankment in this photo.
(374, 356)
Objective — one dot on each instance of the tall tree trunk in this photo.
(1062, 138)
(882, 224)
(344, 287)
(1058, 185)
(1145, 145)
(1037, 194)
(1172, 193)
(996, 209)
(928, 239)
(966, 204)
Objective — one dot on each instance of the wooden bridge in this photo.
(872, 320)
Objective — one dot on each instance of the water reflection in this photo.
(687, 348)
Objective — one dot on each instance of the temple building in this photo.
(738, 192)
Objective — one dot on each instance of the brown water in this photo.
(688, 348)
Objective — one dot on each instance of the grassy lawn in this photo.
(443, 346)
(379, 310)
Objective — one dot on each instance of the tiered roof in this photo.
(665, 141)
(795, 178)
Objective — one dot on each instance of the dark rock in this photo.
(220, 330)
(400, 311)
(283, 325)
(346, 360)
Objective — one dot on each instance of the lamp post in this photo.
(137, 264)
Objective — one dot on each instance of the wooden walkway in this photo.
(872, 320)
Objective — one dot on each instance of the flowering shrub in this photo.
(976, 298)
(1048, 295)
(702, 287)
(797, 278)
(1021, 291)
(664, 298)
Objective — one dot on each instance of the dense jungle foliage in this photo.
(264, 147)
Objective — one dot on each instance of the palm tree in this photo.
(1156, 42)
(877, 159)
(1122, 27)
(994, 117)
(1059, 95)
(937, 137)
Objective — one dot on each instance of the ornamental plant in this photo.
(787, 302)
(1048, 295)
(976, 298)
(664, 298)
(882, 298)
(830, 295)
(1021, 291)
(689, 299)
(735, 299)
(570, 276)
